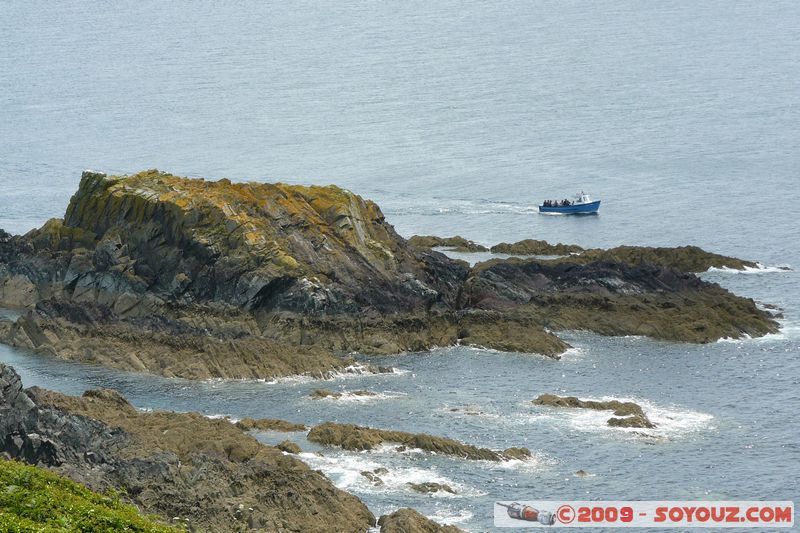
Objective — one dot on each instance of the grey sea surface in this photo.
(458, 118)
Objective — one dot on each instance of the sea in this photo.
(459, 117)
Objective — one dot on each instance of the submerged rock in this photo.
(410, 521)
(429, 487)
(373, 477)
(628, 414)
(453, 244)
(319, 394)
(166, 463)
(358, 438)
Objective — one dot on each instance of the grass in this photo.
(34, 499)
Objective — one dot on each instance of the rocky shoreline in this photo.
(200, 279)
(197, 473)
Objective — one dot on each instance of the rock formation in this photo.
(357, 438)
(318, 394)
(269, 424)
(209, 473)
(451, 244)
(410, 521)
(198, 279)
(534, 247)
(626, 414)
(429, 487)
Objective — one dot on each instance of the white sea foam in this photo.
(344, 470)
(758, 269)
(573, 353)
(353, 397)
(671, 422)
(788, 330)
(449, 517)
(356, 370)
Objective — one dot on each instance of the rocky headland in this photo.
(198, 279)
(451, 244)
(208, 474)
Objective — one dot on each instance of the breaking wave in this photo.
(758, 269)
(345, 471)
(671, 422)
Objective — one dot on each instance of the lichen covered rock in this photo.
(213, 279)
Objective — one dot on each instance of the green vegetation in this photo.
(33, 499)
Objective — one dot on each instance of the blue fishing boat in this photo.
(581, 205)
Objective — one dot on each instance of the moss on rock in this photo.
(34, 499)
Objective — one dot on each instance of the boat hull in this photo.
(580, 209)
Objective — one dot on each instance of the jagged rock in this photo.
(429, 487)
(269, 424)
(454, 244)
(171, 464)
(631, 413)
(357, 438)
(582, 473)
(613, 298)
(410, 521)
(534, 247)
(289, 447)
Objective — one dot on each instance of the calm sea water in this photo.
(457, 118)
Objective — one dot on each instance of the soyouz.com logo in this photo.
(681, 514)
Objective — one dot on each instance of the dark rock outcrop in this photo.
(535, 247)
(358, 438)
(429, 487)
(207, 472)
(410, 521)
(614, 298)
(626, 414)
